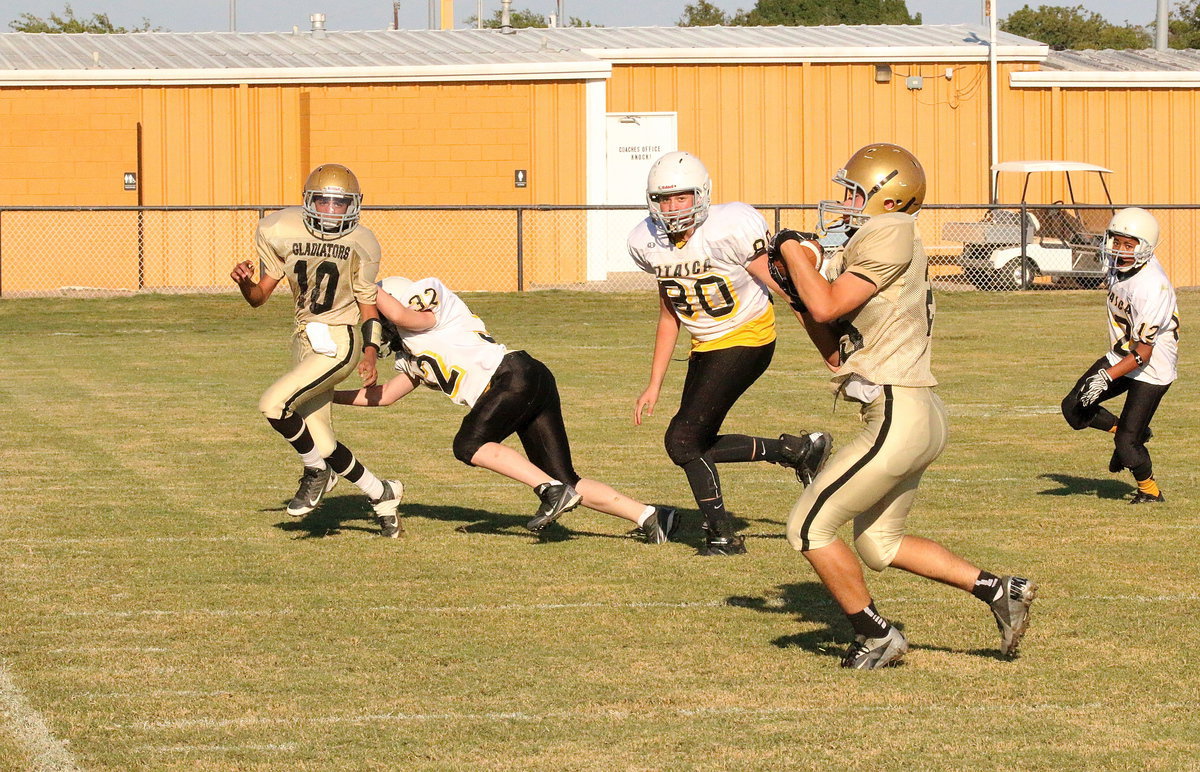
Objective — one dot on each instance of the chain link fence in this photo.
(64, 251)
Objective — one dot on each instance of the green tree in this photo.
(1062, 27)
(702, 14)
(796, 13)
(1183, 29)
(524, 19)
(818, 12)
(68, 22)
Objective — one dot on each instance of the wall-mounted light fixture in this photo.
(883, 73)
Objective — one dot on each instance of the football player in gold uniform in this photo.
(330, 262)
(873, 326)
(711, 268)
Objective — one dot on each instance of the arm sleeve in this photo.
(269, 263)
(368, 255)
(882, 255)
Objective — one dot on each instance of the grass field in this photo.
(161, 611)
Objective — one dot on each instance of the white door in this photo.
(633, 142)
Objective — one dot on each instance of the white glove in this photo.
(1093, 387)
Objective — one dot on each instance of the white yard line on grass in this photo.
(29, 729)
(520, 607)
(620, 715)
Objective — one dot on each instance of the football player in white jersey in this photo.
(331, 262)
(439, 343)
(873, 326)
(711, 268)
(1143, 330)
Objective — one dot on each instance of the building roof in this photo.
(1133, 60)
(466, 54)
(1138, 68)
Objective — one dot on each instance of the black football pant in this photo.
(1141, 401)
(522, 399)
(715, 380)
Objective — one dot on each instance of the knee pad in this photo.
(1130, 449)
(683, 444)
(271, 409)
(876, 554)
(465, 447)
(1073, 412)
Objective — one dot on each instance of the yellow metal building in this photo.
(462, 117)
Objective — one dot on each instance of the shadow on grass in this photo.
(810, 603)
(350, 513)
(1084, 486)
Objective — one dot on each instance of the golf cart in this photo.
(1063, 244)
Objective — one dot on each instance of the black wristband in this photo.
(372, 330)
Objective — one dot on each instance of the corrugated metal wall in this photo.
(769, 133)
(777, 133)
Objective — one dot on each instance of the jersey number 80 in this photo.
(711, 293)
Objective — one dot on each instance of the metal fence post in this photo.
(1025, 278)
(520, 250)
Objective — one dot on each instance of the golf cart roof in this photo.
(1048, 166)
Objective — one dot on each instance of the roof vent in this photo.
(318, 24)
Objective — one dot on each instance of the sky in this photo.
(282, 15)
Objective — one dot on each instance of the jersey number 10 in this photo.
(321, 301)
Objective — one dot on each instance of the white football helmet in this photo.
(398, 287)
(678, 172)
(1134, 223)
(337, 182)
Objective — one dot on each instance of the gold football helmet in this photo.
(336, 182)
(879, 178)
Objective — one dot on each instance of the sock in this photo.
(869, 623)
(642, 518)
(1113, 430)
(740, 447)
(346, 465)
(1149, 487)
(295, 431)
(987, 587)
(706, 488)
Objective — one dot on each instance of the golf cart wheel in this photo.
(1012, 277)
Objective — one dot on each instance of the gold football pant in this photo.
(874, 479)
(307, 389)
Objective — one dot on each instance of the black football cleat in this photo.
(387, 508)
(556, 498)
(723, 545)
(1011, 611)
(805, 453)
(874, 653)
(313, 485)
(660, 526)
(1145, 498)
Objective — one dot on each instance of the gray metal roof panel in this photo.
(233, 50)
(1133, 60)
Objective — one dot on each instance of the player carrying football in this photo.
(330, 262)
(711, 268)
(1143, 330)
(438, 342)
(873, 324)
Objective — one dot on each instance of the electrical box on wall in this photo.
(915, 82)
